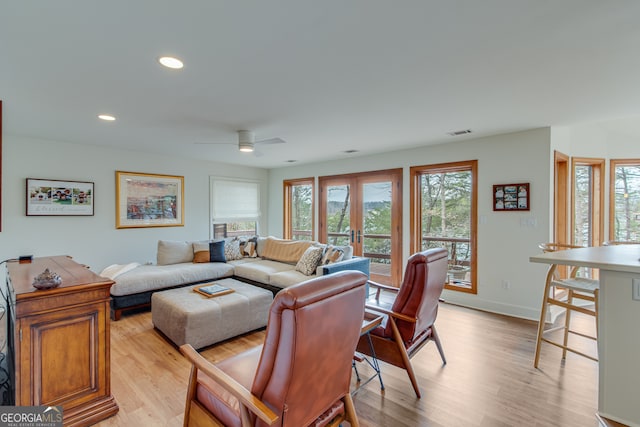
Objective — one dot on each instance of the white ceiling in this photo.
(326, 76)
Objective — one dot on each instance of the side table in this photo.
(370, 322)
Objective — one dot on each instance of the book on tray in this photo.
(212, 290)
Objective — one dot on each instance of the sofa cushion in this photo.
(289, 251)
(209, 251)
(174, 252)
(288, 278)
(260, 270)
(310, 260)
(348, 252)
(152, 277)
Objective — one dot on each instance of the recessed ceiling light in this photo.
(106, 117)
(171, 62)
(459, 132)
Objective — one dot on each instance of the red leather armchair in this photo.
(300, 376)
(409, 320)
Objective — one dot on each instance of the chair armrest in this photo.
(390, 313)
(379, 287)
(245, 397)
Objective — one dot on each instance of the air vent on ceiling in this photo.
(460, 132)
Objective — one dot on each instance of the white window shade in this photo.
(234, 201)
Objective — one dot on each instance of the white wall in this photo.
(94, 240)
(505, 239)
(605, 140)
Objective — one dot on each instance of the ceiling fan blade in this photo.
(210, 143)
(271, 141)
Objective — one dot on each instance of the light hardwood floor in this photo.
(489, 380)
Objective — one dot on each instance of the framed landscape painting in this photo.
(51, 197)
(149, 200)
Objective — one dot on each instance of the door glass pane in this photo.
(626, 221)
(301, 213)
(583, 221)
(446, 220)
(376, 238)
(338, 214)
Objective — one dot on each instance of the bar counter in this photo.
(618, 325)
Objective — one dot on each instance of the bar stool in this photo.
(564, 292)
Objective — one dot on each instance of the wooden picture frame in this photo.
(52, 197)
(511, 197)
(149, 200)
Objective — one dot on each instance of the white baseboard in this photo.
(472, 301)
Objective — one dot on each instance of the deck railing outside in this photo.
(459, 252)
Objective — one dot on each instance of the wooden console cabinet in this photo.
(61, 340)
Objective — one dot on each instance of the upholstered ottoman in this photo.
(187, 317)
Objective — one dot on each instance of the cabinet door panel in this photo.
(65, 356)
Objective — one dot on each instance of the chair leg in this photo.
(350, 410)
(543, 313)
(436, 339)
(405, 357)
(567, 324)
(596, 295)
(191, 391)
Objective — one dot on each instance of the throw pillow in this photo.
(209, 252)
(173, 252)
(249, 250)
(309, 261)
(332, 254)
(232, 249)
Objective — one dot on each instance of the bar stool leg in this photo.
(543, 312)
(567, 324)
(596, 294)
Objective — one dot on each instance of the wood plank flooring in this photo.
(489, 380)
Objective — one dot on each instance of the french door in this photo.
(365, 211)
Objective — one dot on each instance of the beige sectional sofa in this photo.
(267, 262)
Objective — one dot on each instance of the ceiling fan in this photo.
(247, 141)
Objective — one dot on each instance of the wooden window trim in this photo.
(415, 210)
(560, 200)
(613, 164)
(287, 186)
(597, 195)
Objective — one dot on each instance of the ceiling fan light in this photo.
(245, 147)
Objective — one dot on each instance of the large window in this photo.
(588, 201)
(443, 214)
(298, 209)
(235, 207)
(624, 205)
